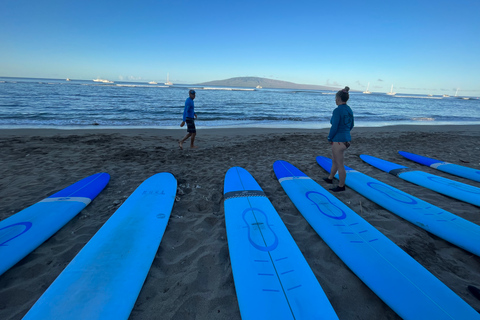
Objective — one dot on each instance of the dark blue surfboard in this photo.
(272, 278)
(21, 233)
(451, 188)
(441, 223)
(400, 281)
(455, 169)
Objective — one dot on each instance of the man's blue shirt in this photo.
(189, 111)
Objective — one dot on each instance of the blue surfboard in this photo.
(455, 169)
(400, 281)
(272, 278)
(21, 233)
(441, 223)
(104, 279)
(451, 188)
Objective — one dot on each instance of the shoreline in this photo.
(242, 130)
(191, 275)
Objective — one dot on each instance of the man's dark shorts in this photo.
(191, 125)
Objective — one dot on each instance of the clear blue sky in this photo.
(418, 46)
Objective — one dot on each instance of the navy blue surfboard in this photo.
(441, 223)
(455, 169)
(21, 233)
(451, 188)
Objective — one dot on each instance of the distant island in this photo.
(254, 82)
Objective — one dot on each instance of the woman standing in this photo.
(339, 137)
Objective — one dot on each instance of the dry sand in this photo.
(191, 276)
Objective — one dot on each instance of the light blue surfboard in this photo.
(455, 169)
(451, 188)
(272, 278)
(441, 223)
(104, 279)
(395, 277)
(23, 232)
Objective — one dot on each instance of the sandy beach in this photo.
(191, 276)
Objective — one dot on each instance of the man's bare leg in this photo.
(192, 141)
(180, 143)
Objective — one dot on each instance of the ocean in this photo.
(48, 103)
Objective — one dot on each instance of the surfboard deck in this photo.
(272, 278)
(24, 231)
(442, 223)
(104, 279)
(400, 281)
(455, 169)
(451, 188)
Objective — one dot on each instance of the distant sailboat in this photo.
(391, 93)
(460, 97)
(168, 83)
(366, 91)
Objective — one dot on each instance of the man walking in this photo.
(189, 117)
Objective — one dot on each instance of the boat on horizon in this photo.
(366, 91)
(102, 80)
(391, 93)
(168, 83)
(152, 82)
(460, 97)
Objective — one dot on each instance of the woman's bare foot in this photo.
(180, 144)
